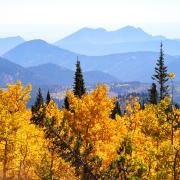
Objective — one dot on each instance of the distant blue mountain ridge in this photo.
(10, 42)
(47, 75)
(99, 41)
(127, 39)
(131, 66)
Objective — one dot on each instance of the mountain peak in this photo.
(9, 42)
(87, 29)
(36, 41)
(130, 28)
(35, 44)
(132, 31)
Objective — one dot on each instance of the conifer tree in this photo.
(48, 98)
(79, 87)
(66, 103)
(153, 95)
(116, 110)
(39, 101)
(161, 76)
(37, 115)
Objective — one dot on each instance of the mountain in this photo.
(36, 52)
(95, 77)
(134, 66)
(11, 72)
(57, 75)
(174, 67)
(127, 39)
(8, 43)
(53, 74)
(46, 75)
(101, 35)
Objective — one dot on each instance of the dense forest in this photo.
(89, 137)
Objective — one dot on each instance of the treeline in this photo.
(89, 137)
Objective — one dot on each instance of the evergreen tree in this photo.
(161, 76)
(39, 102)
(37, 115)
(48, 98)
(153, 95)
(79, 87)
(116, 110)
(66, 103)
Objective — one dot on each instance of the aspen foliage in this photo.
(144, 143)
(84, 142)
(90, 116)
(23, 148)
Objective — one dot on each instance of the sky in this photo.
(54, 19)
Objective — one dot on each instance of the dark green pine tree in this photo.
(48, 98)
(153, 95)
(79, 87)
(38, 117)
(161, 76)
(66, 103)
(116, 110)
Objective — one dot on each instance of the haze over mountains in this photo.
(134, 66)
(128, 39)
(135, 60)
(47, 74)
(11, 72)
(8, 43)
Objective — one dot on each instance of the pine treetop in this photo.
(79, 87)
(48, 97)
(161, 75)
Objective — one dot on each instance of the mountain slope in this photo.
(8, 43)
(134, 66)
(128, 39)
(175, 67)
(46, 75)
(53, 74)
(11, 72)
(57, 75)
(100, 35)
(95, 77)
(35, 52)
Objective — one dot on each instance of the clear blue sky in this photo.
(53, 19)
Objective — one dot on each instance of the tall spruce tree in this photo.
(161, 76)
(79, 87)
(38, 102)
(37, 117)
(48, 98)
(66, 103)
(116, 110)
(153, 95)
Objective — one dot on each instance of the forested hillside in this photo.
(90, 137)
(83, 142)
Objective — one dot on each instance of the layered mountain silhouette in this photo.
(36, 52)
(134, 66)
(11, 72)
(46, 74)
(8, 43)
(128, 39)
(55, 74)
